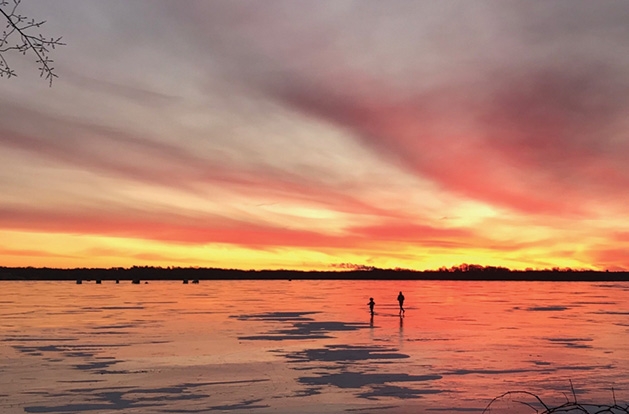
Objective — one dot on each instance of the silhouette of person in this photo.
(400, 299)
(371, 305)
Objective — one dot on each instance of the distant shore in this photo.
(138, 273)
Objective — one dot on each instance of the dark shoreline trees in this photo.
(471, 272)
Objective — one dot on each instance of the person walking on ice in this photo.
(371, 305)
(400, 299)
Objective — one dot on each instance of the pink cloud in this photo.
(487, 112)
(529, 153)
(124, 156)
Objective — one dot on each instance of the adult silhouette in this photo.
(400, 299)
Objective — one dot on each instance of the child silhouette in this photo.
(371, 305)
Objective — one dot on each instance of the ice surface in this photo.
(307, 346)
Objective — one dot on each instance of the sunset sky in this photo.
(317, 134)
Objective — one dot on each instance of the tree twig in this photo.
(19, 26)
(509, 393)
(574, 394)
(568, 407)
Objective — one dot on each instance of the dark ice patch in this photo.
(101, 366)
(276, 316)
(360, 379)
(244, 405)
(307, 330)
(115, 326)
(556, 308)
(612, 313)
(124, 398)
(571, 342)
(346, 353)
(31, 339)
(394, 391)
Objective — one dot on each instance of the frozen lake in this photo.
(308, 346)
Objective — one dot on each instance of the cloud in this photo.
(208, 229)
(328, 125)
(128, 157)
(507, 108)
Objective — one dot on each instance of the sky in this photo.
(321, 134)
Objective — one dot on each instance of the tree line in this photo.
(461, 272)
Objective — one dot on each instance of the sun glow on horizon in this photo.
(89, 251)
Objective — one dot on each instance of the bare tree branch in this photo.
(569, 407)
(17, 36)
